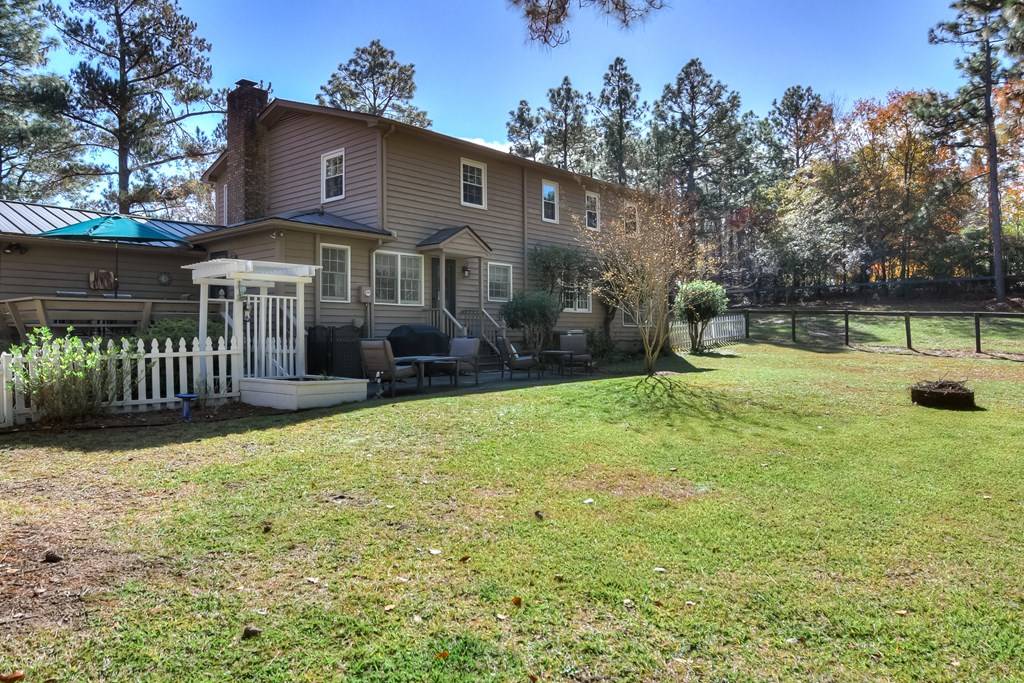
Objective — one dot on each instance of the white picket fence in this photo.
(147, 379)
(722, 330)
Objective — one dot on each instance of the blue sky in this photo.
(474, 63)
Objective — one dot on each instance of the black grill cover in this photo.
(418, 340)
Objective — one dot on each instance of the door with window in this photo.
(449, 283)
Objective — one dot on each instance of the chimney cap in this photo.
(245, 83)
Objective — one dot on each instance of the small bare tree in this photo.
(644, 244)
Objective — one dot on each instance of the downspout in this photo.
(382, 206)
(526, 259)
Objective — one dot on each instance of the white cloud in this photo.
(493, 144)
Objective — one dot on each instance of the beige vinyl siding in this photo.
(294, 146)
(48, 267)
(423, 192)
(301, 247)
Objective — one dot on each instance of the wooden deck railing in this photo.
(92, 314)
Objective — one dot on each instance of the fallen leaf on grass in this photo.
(464, 558)
(388, 608)
(517, 601)
(12, 676)
(442, 655)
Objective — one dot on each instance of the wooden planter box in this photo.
(298, 393)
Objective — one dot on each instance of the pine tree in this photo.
(38, 156)
(800, 122)
(144, 77)
(619, 110)
(523, 129)
(546, 19)
(564, 127)
(374, 82)
(968, 118)
(701, 117)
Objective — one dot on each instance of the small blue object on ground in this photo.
(186, 405)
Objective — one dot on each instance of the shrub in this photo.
(600, 344)
(180, 328)
(697, 302)
(64, 378)
(535, 313)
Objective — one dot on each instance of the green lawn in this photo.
(783, 513)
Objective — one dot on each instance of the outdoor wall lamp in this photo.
(465, 270)
(14, 247)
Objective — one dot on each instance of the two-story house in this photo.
(408, 225)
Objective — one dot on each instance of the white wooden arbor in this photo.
(273, 338)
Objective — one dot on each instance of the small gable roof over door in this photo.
(460, 240)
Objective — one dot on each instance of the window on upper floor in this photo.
(631, 220)
(397, 278)
(334, 272)
(332, 176)
(474, 184)
(499, 282)
(577, 298)
(593, 211)
(549, 201)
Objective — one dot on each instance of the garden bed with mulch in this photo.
(231, 410)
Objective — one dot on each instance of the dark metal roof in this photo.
(445, 234)
(319, 219)
(31, 220)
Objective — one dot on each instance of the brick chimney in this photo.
(246, 182)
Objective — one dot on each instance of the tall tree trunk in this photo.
(995, 216)
(124, 204)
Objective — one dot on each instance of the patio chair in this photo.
(467, 350)
(512, 360)
(577, 343)
(379, 363)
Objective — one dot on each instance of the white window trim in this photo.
(398, 284)
(483, 167)
(590, 301)
(597, 227)
(324, 199)
(558, 192)
(636, 218)
(626, 324)
(348, 273)
(510, 274)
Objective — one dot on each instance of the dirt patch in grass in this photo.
(50, 574)
(631, 483)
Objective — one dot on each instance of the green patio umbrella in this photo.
(114, 229)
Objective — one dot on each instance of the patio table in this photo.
(423, 363)
(558, 356)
